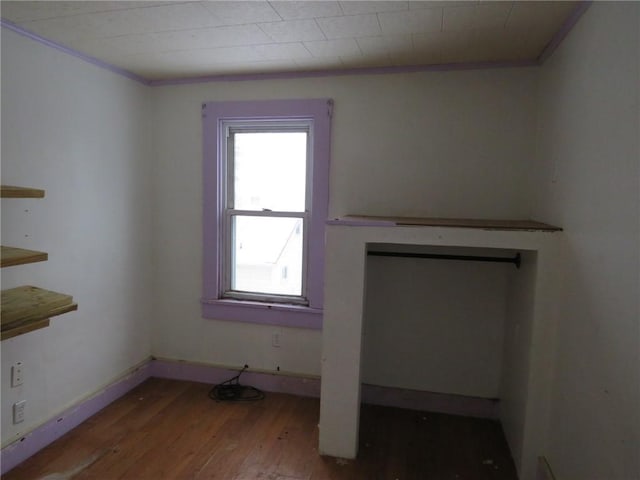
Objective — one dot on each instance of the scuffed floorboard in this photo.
(69, 474)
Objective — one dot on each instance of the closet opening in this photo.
(432, 318)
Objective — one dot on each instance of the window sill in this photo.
(263, 313)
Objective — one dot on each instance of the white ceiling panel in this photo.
(492, 14)
(366, 62)
(342, 47)
(247, 53)
(485, 15)
(430, 47)
(179, 16)
(62, 29)
(289, 10)
(176, 39)
(357, 7)
(319, 63)
(543, 14)
(419, 4)
(126, 22)
(28, 11)
(282, 51)
(407, 22)
(239, 13)
(398, 49)
(235, 35)
(293, 30)
(139, 44)
(387, 44)
(459, 18)
(240, 68)
(350, 26)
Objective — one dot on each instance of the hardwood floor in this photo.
(166, 429)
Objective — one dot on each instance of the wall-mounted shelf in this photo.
(9, 191)
(28, 308)
(19, 330)
(25, 309)
(11, 256)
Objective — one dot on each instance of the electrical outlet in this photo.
(275, 339)
(17, 374)
(18, 411)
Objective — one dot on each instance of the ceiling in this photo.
(171, 40)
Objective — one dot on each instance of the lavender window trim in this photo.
(215, 307)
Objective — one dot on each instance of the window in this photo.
(266, 211)
(266, 167)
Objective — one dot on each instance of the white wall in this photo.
(586, 175)
(82, 134)
(517, 347)
(435, 325)
(427, 144)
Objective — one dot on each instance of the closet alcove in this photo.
(526, 261)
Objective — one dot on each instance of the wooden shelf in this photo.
(485, 224)
(28, 327)
(25, 309)
(8, 191)
(10, 256)
(28, 308)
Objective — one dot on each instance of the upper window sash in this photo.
(232, 127)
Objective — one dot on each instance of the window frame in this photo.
(230, 128)
(214, 305)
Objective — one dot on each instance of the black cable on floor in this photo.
(232, 391)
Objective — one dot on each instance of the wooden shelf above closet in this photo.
(485, 224)
(9, 191)
(28, 308)
(10, 256)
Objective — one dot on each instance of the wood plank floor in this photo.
(166, 429)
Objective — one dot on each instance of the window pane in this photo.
(267, 255)
(270, 171)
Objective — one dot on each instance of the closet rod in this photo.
(472, 258)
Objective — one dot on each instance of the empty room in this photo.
(314, 240)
